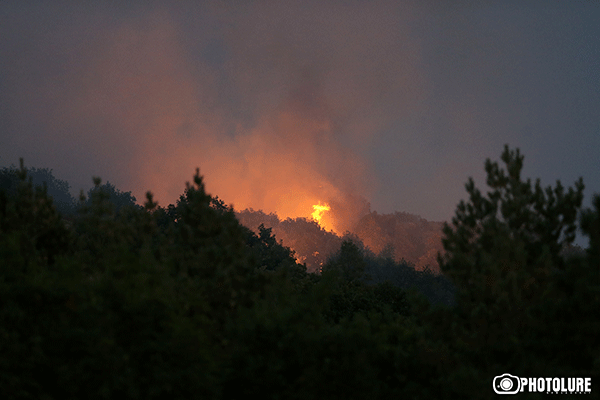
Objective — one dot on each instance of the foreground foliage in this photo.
(184, 302)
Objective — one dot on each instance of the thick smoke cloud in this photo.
(271, 101)
(283, 104)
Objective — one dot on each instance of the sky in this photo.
(381, 105)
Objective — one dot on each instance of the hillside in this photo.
(400, 235)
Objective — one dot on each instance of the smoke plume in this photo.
(272, 101)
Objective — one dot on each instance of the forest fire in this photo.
(317, 215)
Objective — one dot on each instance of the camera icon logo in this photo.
(506, 384)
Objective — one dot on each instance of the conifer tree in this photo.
(503, 252)
(505, 245)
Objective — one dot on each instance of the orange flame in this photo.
(317, 215)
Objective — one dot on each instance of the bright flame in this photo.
(319, 210)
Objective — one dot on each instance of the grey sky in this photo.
(395, 102)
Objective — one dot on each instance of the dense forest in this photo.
(406, 238)
(102, 298)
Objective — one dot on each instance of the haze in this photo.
(281, 105)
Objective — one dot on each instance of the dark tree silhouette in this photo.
(56, 188)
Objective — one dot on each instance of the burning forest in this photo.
(185, 301)
(325, 247)
(401, 236)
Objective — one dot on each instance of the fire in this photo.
(317, 215)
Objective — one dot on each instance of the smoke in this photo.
(273, 101)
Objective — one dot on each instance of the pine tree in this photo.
(501, 248)
(503, 252)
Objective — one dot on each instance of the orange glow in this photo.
(317, 215)
(286, 161)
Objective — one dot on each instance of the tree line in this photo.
(406, 238)
(185, 302)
